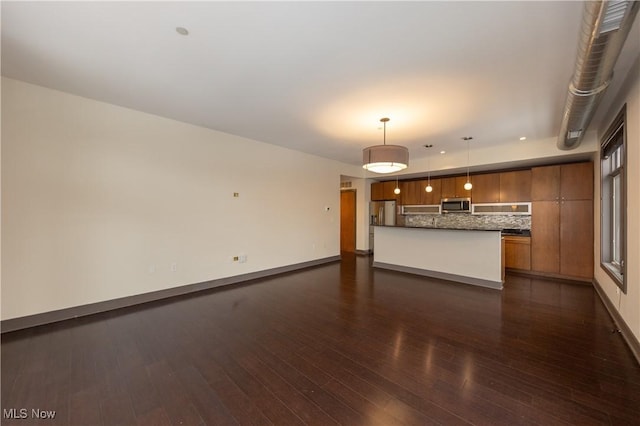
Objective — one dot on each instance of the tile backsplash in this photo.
(471, 221)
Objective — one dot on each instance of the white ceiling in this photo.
(312, 76)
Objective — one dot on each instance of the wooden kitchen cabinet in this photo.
(545, 183)
(434, 197)
(517, 252)
(562, 182)
(545, 236)
(576, 181)
(486, 188)
(388, 188)
(515, 186)
(414, 192)
(576, 238)
(410, 192)
(448, 187)
(382, 191)
(562, 220)
(377, 191)
(453, 187)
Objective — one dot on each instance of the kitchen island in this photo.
(470, 256)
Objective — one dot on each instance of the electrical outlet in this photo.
(152, 269)
(617, 291)
(242, 258)
(174, 267)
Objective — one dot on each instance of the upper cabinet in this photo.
(377, 191)
(410, 192)
(383, 191)
(486, 188)
(576, 181)
(433, 197)
(453, 187)
(515, 186)
(545, 183)
(388, 188)
(413, 192)
(562, 182)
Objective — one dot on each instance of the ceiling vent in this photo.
(605, 26)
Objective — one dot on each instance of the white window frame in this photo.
(613, 201)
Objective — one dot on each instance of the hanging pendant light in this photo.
(468, 185)
(429, 188)
(397, 190)
(385, 158)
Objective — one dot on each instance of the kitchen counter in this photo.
(470, 256)
(451, 228)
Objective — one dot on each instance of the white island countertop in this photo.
(469, 256)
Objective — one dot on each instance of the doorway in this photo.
(348, 221)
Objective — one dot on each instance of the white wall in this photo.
(98, 201)
(628, 305)
(362, 228)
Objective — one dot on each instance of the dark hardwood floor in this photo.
(340, 343)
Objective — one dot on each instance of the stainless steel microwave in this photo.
(456, 205)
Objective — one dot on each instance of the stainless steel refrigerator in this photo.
(382, 213)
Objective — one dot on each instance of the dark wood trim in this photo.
(14, 324)
(623, 328)
(496, 285)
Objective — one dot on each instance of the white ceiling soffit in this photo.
(312, 76)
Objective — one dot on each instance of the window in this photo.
(613, 205)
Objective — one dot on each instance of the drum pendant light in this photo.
(385, 158)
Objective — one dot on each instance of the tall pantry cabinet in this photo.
(562, 220)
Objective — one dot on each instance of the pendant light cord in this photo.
(384, 132)
(384, 127)
(467, 160)
(428, 171)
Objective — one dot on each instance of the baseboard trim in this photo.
(20, 323)
(626, 332)
(496, 285)
(548, 275)
(364, 252)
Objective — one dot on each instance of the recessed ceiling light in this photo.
(182, 31)
(523, 138)
(443, 152)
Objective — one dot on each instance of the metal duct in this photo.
(605, 26)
